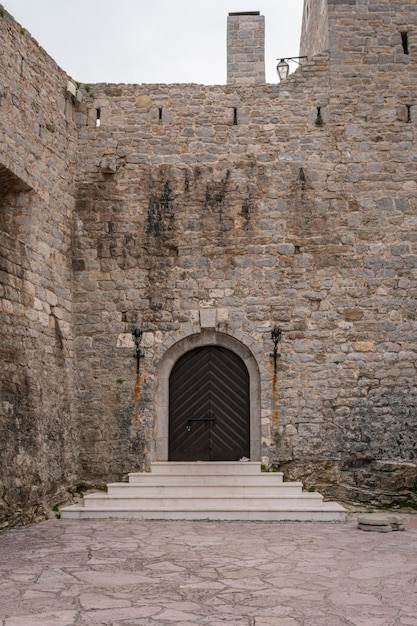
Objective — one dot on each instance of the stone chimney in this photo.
(245, 48)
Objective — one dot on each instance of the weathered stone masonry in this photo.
(209, 215)
(38, 434)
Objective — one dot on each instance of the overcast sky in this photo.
(152, 41)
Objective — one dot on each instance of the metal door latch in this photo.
(208, 417)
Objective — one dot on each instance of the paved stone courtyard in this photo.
(131, 573)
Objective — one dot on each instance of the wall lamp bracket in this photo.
(137, 337)
(283, 68)
(276, 335)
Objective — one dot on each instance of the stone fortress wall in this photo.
(38, 139)
(217, 213)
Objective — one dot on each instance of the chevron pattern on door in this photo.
(209, 408)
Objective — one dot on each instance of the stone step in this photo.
(204, 467)
(202, 489)
(97, 500)
(328, 512)
(262, 478)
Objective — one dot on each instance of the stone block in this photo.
(108, 165)
(363, 346)
(379, 528)
(143, 102)
(380, 522)
(352, 314)
(208, 318)
(125, 340)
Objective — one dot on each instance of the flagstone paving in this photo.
(131, 573)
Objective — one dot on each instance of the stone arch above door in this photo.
(205, 338)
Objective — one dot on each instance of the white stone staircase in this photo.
(206, 490)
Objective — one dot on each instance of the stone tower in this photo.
(359, 33)
(245, 48)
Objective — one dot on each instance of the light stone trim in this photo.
(208, 318)
(205, 338)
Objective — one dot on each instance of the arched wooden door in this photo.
(209, 411)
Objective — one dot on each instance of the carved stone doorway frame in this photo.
(205, 338)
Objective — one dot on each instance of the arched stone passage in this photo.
(205, 338)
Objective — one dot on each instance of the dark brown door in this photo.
(209, 406)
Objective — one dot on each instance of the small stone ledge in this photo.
(10, 182)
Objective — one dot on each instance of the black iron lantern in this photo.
(137, 337)
(276, 335)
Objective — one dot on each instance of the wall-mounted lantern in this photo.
(137, 337)
(283, 67)
(276, 335)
